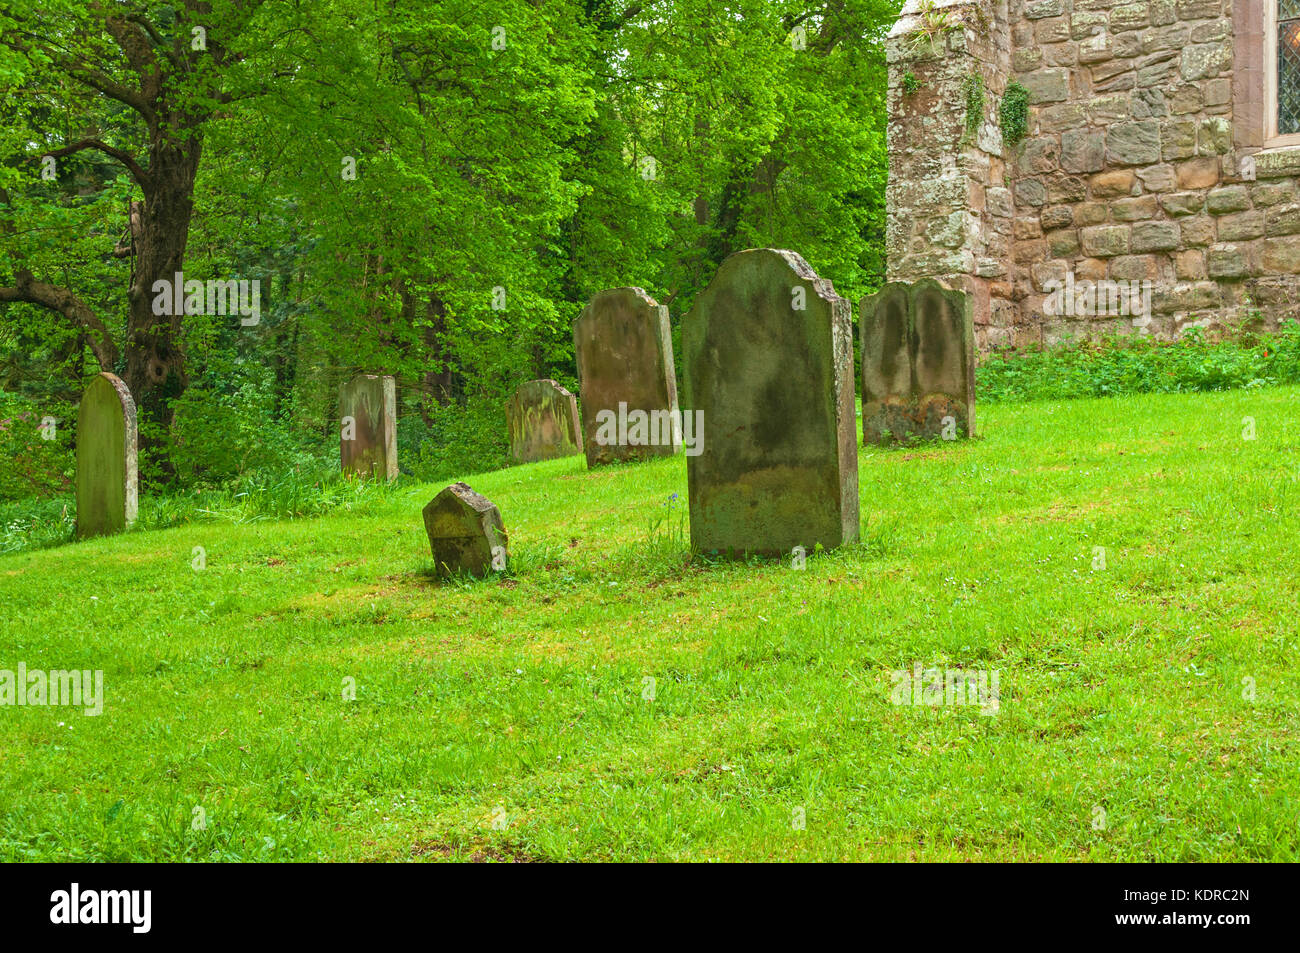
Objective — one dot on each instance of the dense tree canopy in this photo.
(431, 188)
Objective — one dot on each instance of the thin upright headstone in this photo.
(368, 437)
(465, 532)
(543, 421)
(768, 348)
(918, 362)
(107, 440)
(624, 348)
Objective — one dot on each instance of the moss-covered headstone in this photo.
(106, 458)
(918, 362)
(465, 532)
(768, 349)
(625, 363)
(368, 437)
(543, 420)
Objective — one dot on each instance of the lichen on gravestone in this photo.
(542, 418)
(368, 437)
(466, 533)
(623, 345)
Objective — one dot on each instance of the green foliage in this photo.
(220, 437)
(1140, 365)
(36, 522)
(34, 461)
(936, 24)
(459, 440)
(669, 528)
(298, 493)
(582, 146)
(910, 83)
(256, 497)
(1013, 113)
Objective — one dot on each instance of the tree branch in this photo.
(123, 94)
(29, 290)
(93, 78)
(140, 175)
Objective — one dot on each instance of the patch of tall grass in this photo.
(1139, 365)
(255, 497)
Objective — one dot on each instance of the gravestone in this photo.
(465, 532)
(543, 421)
(368, 438)
(769, 364)
(106, 458)
(625, 362)
(918, 362)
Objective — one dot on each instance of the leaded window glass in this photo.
(1288, 67)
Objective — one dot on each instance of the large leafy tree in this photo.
(155, 75)
(510, 160)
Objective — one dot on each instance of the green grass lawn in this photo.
(506, 718)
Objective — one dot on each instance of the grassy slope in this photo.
(1120, 688)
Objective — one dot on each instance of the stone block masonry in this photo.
(1146, 157)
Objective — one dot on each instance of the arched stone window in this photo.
(1266, 73)
(1282, 72)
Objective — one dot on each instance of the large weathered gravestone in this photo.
(465, 532)
(543, 421)
(625, 361)
(918, 362)
(106, 458)
(769, 363)
(368, 441)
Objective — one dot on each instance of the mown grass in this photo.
(505, 718)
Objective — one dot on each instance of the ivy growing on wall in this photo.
(974, 90)
(1013, 114)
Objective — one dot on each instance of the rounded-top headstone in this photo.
(542, 418)
(624, 349)
(106, 458)
(769, 363)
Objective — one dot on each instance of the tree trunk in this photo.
(155, 361)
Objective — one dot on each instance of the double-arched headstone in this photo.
(918, 362)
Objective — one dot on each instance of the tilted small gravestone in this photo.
(465, 532)
(368, 439)
(543, 421)
(624, 348)
(107, 441)
(918, 362)
(769, 363)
